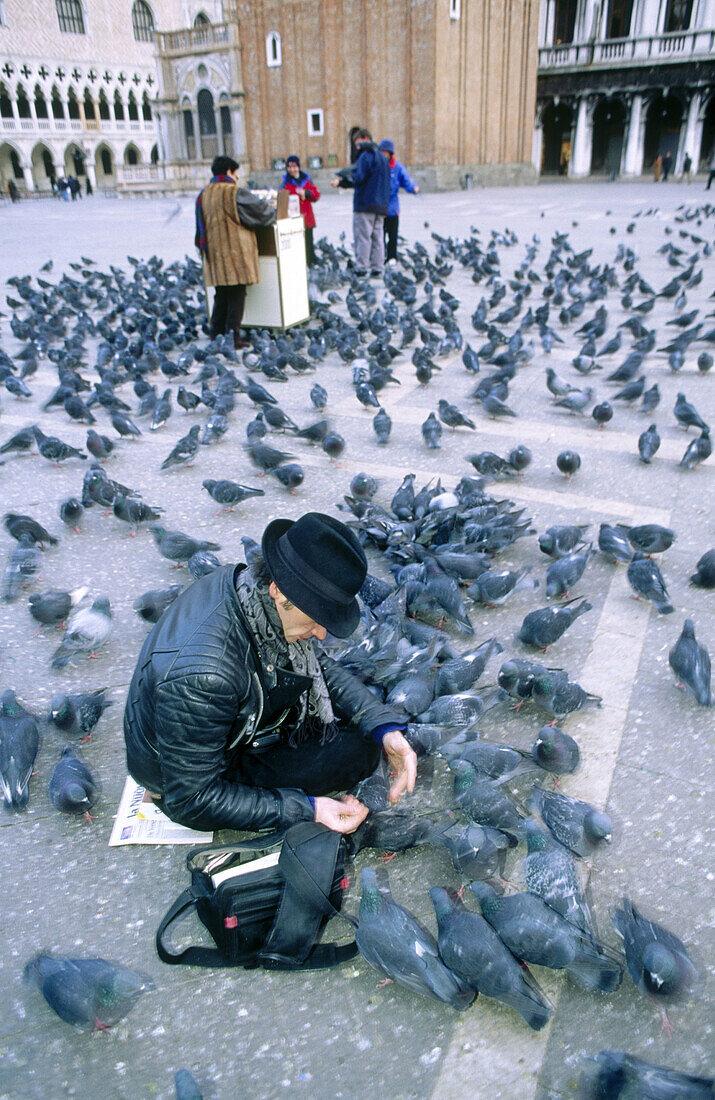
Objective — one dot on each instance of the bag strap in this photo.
(308, 863)
(191, 956)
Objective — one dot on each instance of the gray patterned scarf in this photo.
(315, 712)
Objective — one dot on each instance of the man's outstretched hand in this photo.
(403, 762)
(343, 816)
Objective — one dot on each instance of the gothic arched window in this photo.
(142, 21)
(274, 53)
(69, 16)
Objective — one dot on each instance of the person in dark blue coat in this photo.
(399, 177)
(370, 177)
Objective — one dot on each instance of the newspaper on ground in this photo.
(140, 821)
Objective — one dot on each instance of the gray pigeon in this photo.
(494, 407)
(577, 825)
(558, 541)
(565, 572)
(176, 546)
(382, 426)
(646, 580)
(613, 1074)
(462, 673)
(22, 565)
(77, 715)
(704, 575)
(557, 696)
(651, 538)
(73, 789)
(474, 951)
(150, 606)
(537, 934)
(543, 627)
(687, 415)
(551, 874)
(477, 851)
(482, 801)
(568, 462)
(657, 961)
(690, 662)
(229, 493)
(88, 993)
(461, 709)
(494, 588)
(697, 451)
(51, 607)
(390, 939)
(185, 1086)
(432, 432)
(184, 451)
(648, 444)
(452, 417)
(19, 742)
(556, 751)
(613, 543)
(576, 401)
(88, 629)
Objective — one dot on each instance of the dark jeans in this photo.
(309, 247)
(228, 309)
(392, 224)
(711, 177)
(311, 767)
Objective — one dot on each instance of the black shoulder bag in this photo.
(264, 901)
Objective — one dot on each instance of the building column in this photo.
(580, 163)
(89, 169)
(692, 134)
(29, 181)
(633, 165)
(537, 142)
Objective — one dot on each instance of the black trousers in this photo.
(228, 309)
(711, 177)
(311, 767)
(309, 247)
(392, 224)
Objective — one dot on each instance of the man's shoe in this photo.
(375, 274)
(360, 273)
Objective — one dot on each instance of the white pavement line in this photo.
(578, 434)
(511, 489)
(478, 1052)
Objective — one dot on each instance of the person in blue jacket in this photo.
(399, 177)
(370, 177)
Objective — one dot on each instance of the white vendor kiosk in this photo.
(280, 299)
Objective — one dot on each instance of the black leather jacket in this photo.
(201, 695)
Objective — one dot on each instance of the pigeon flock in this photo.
(109, 373)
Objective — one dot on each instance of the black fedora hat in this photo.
(319, 565)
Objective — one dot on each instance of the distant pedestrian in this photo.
(88, 186)
(711, 166)
(687, 173)
(667, 165)
(657, 167)
(297, 182)
(370, 176)
(74, 186)
(399, 177)
(15, 195)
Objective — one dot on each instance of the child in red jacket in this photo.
(299, 183)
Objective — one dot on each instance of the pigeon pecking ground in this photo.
(644, 751)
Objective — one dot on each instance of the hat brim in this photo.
(341, 621)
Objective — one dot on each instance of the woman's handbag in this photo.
(264, 901)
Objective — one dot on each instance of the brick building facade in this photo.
(452, 82)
